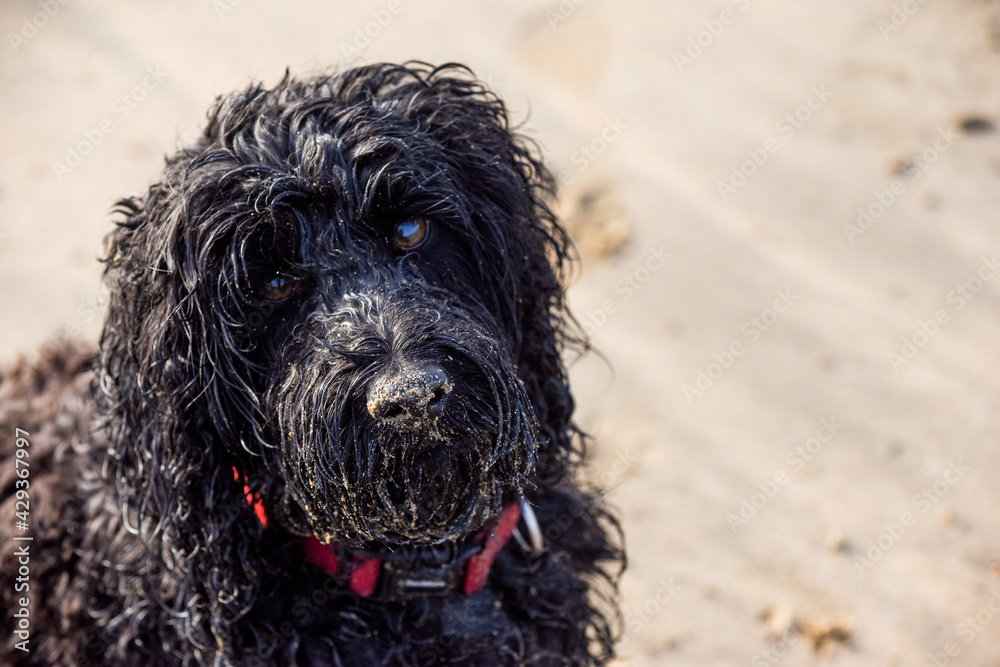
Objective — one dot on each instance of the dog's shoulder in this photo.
(43, 399)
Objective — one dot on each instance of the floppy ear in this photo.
(163, 388)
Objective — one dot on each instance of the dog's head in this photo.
(347, 289)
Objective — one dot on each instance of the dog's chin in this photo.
(402, 525)
(433, 491)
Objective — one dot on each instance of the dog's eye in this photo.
(277, 288)
(410, 233)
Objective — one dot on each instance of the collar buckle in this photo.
(534, 544)
(402, 580)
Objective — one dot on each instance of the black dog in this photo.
(328, 422)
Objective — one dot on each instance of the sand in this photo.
(788, 219)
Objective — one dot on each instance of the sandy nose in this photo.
(410, 395)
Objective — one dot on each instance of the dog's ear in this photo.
(160, 389)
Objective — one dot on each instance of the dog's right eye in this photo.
(410, 233)
(277, 288)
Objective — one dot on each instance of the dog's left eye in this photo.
(410, 233)
(277, 288)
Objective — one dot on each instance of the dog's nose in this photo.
(410, 396)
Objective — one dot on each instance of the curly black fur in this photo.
(257, 297)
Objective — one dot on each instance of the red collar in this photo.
(401, 582)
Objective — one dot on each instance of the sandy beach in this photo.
(788, 219)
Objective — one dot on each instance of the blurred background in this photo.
(787, 215)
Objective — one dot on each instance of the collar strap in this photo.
(400, 579)
(478, 568)
(252, 498)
